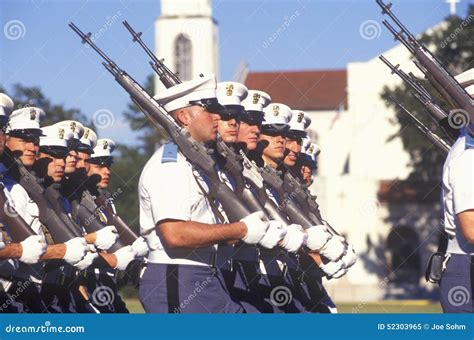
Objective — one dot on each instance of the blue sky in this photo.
(317, 35)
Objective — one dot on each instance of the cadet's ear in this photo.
(182, 116)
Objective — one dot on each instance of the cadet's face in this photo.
(228, 129)
(201, 124)
(26, 149)
(276, 146)
(55, 167)
(81, 161)
(71, 162)
(293, 149)
(103, 171)
(248, 134)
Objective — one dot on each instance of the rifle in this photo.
(59, 232)
(196, 153)
(435, 72)
(442, 145)
(167, 77)
(16, 226)
(424, 97)
(104, 201)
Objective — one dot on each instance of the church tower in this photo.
(186, 36)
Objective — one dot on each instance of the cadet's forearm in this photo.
(466, 221)
(11, 251)
(54, 252)
(111, 259)
(189, 234)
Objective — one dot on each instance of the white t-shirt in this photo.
(458, 194)
(168, 190)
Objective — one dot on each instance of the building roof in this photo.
(312, 90)
(403, 192)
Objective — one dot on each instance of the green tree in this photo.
(453, 45)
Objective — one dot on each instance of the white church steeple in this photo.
(186, 36)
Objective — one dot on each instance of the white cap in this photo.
(310, 152)
(88, 141)
(103, 151)
(256, 100)
(183, 94)
(27, 118)
(75, 127)
(276, 118)
(470, 90)
(231, 93)
(6, 105)
(299, 122)
(55, 136)
(306, 143)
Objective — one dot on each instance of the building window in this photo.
(183, 57)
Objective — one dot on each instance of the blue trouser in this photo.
(166, 288)
(457, 284)
(319, 300)
(8, 305)
(102, 289)
(29, 297)
(59, 281)
(244, 282)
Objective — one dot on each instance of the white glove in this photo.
(340, 273)
(91, 255)
(350, 257)
(294, 238)
(331, 268)
(334, 248)
(76, 249)
(124, 256)
(275, 233)
(33, 248)
(256, 227)
(106, 237)
(153, 240)
(318, 236)
(140, 246)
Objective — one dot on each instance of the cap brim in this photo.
(105, 160)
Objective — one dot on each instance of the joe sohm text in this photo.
(421, 326)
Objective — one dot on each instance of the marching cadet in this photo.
(299, 122)
(99, 167)
(177, 219)
(457, 280)
(242, 276)
(307, 161)
(22, 142)
(28, 251)
(272, 142)
(59, 279)
(251, 121)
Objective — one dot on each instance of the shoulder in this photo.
(166, 160)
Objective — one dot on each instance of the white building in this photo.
(358, 182)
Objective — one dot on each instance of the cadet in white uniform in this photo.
(176, 217)
(457, 282)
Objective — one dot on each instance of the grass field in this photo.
(388, 306)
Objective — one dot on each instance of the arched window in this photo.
(183, 57)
